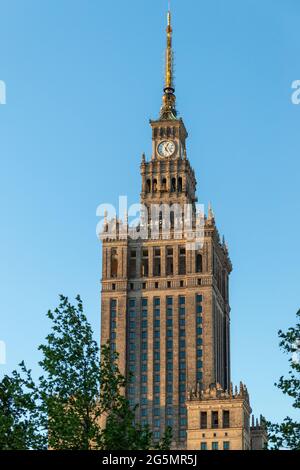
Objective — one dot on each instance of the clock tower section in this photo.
(168, 177)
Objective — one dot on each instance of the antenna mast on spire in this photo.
(168, 110)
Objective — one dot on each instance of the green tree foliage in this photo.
(79, 402)
(286, 435)
(20, 424)
(69, 387)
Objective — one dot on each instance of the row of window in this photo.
(174, 185)
(156, 262)
(215, 445)
(169, 302)
(215, 419)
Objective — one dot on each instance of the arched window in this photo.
(173, 185)
(114, 263)
(148, 186)
(180, 184)
(164, 184)
(199, 266)
(154, 186)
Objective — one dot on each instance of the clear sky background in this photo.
(83, 78)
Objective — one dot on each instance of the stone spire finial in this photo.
(210, 216)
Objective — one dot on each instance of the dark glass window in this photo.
(226, 419)
(182, 264)
(203, 420)
(214, 419)
(157, 262)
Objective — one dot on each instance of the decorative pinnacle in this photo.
(168, 110)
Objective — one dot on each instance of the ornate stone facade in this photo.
(165, 302)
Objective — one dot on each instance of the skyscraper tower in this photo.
(165, 304)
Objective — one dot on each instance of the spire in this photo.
(168, 109)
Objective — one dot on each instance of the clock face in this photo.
(166, 148)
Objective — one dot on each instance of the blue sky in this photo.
(83, 78)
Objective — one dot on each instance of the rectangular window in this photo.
(203, 446)
(199, 376)
(169, 312)
(203, 420)
(157, 301)
(215, 446)
(198, 298)
(226, 445)
(169, 262)
(157, 262)
(144, 302)
(214, 419)
(182, 264)
(132, 264)
(226, 419)
(145, 263)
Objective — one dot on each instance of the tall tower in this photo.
(165, 305)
